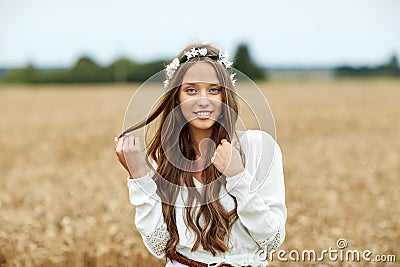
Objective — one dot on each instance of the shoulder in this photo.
(256, 137)
(258, 142)
(258, 133)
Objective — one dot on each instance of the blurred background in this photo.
(68, 69)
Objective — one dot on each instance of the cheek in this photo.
(179, 99)
(218, 103)
(186, 109)
(218, 110)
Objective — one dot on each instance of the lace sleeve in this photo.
(274, 242)
(157, 241)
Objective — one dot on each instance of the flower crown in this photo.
(222, 59)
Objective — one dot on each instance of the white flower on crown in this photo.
(195, 52)
(188, 54)
(224, 60)
(166, 82)
(172, 67)
(233, 78)
(203, 51)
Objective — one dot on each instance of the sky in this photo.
(55, 33)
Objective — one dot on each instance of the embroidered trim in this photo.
(274, 241)
(157, 241)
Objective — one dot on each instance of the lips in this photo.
(205, 114)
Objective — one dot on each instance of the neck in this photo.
(196, 136)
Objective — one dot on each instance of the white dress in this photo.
(260, 195)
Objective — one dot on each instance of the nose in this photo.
(203, 101)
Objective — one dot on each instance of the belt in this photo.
(189, 262)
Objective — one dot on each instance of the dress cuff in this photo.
(239, 185)
(141, 189)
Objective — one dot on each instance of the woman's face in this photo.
(200, 96)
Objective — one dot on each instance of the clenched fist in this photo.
(227, 159)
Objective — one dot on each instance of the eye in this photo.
(215, 90)
(190, 90)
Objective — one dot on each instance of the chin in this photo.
(202, 125)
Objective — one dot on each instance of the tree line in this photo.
(390, 69)
(86, 70)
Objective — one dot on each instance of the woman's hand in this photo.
(227, 159)
(131, 155)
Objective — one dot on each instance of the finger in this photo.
(115, 142)
(119, 144)
(119, 149)
(137, 142)
(223, 141)
(234, 142)
(123, 140)
(125, 143)
(131, 142)
(213, 156)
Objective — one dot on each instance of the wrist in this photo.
(137, 174)
(234, 172)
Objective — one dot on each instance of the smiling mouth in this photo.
(203, 114)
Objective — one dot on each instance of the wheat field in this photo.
(64, 200)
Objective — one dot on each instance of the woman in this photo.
(192, 188)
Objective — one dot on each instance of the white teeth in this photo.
(203, 113)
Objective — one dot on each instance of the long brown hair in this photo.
(212, 231)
